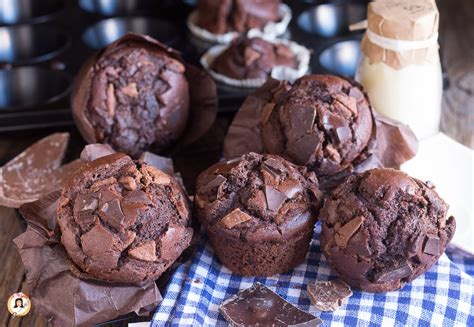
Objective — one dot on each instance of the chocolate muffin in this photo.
(123, 221)
(224, 16)
(134, 97)
(323, 122)
(383, 228)
(253, 58)
(259, 212)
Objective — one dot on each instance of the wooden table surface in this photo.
(457, 39)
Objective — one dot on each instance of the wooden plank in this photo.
(456, 37)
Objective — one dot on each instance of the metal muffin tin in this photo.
(43, 44)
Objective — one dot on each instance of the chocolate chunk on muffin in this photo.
(253, 58)
(134, 97)
(259, 212)
(224, 16)
(323, 122)
(383, 228)
(123, 220)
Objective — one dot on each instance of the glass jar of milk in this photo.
(400, 67)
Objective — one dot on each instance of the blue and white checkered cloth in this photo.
(443, 296)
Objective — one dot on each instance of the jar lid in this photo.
(410, 20)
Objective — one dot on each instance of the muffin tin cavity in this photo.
(27, 44)
(331, 20)
(24, 87)
(341, 58)
(120, 7)
(107, 31)
(31, 11)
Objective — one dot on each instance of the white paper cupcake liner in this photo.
(278, 72)
(271, 30)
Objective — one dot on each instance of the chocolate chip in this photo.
(162, 163)
(130, 90)
(131, 212)
(169, 242)
(359, 244)
(259, 306)
(301, 120)
(329, 295)
(343, 235)
(343, 134)
(274, 198)
(432, 244)
(402, 271)
(290, 187)
(347, 102)
(95, 151)
(99, 244)
(430, 184)
(236, 217)
(111, 213)
(304, 148)
(127, 238)
(85, 202)
(128, 183)
(213, 183)
(274, 164)
(144, 252)
(137, 196)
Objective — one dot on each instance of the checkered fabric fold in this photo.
(443, 296)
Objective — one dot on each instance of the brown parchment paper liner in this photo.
(202, 92)
(301, 53)
(391, 143)
(60, 291)
(406, 20)
(271, 29)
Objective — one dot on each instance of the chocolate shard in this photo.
(169, 241)
(432, 245)
(329, 295)
(359, 244)
(137, 196)
(304, 148)
(275, 198)
(344, 234)
(272, 164)
(162, 163)
(144, 252)
(99, 243)
(267, 112)
(236, 217)
(290, 188)
(96, 151)
(111, 212)
(259, 306)
(301, 119)
(128, 182)
(30, 175)
(402, 271)
(214, 183)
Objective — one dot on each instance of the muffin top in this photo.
(123, 221)
(248, 58)
(383, 228)
(224, 16)
(323, 122)
(257, 197)
(137, 98)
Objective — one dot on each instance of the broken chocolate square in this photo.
(344, 234)
(329, 295)
(274, 198)
(402, 271)
(431, 245)
(259, 306)
(236, 217)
